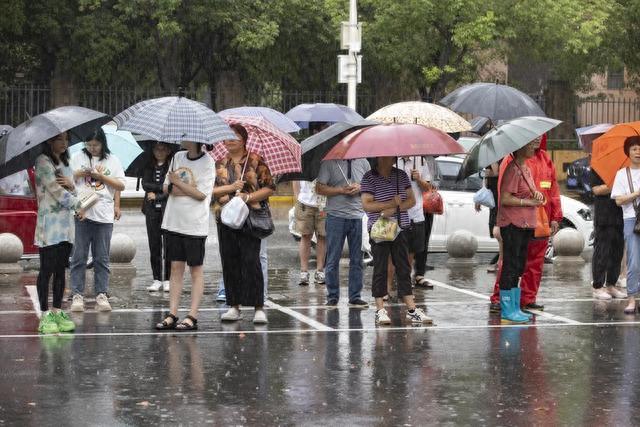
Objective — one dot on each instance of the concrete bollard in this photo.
(462, 246)
(11, 251)
(123, 250)
(568, 245)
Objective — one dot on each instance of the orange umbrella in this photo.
(607, 156)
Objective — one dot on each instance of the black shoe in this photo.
(494, 308)
(534, 306)
(358, 303)
(332, 302)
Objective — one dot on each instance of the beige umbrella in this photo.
(423, 113)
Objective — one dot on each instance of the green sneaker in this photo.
(48, 324)
(65, 324)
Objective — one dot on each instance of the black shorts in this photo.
(416, 237)
(189, 249)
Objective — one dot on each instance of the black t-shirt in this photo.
(605, 210)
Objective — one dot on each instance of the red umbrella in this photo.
(394, 140)
(279, 150)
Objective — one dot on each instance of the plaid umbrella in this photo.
(279, 150)
(174, 119)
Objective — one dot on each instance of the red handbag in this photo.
(432, 202)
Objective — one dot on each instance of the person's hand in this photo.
(554, 227)
(346, 190)
(97, 171)
(397, 200)
(80, 214)
(173, 177)
(354, 189)
(237, 186)
(478, 207)
(117, 213)
(534, 202)
(65, 182)
(415, 175)
(82, 173)
(151, 196)
(388, 213)
(538, 196)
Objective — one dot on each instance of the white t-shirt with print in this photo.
(103, 210)
(184, 214)
(621, 188)
(416, 213)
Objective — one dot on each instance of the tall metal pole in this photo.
(353, 65)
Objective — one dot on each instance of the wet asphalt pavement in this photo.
(576, 364)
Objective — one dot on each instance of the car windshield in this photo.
(16, 185)
(448, 171)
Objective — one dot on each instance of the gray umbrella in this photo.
(5, 129)
(20, 148)
(492, 100)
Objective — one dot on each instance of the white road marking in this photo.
(456, 289)
(299, 316)
(33, 295)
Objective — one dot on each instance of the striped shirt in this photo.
(384, 189)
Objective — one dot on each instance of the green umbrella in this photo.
(503, 140)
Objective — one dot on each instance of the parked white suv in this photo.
(459, 211)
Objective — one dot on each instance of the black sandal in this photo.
(164, 325)
(186, 326)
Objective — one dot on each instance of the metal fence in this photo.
(18, 103)
(591, 111)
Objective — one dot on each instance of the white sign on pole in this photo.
(344, 61)
(345, 36)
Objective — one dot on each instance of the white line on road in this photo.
(299, 316)
(33, 294)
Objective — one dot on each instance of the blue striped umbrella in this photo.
(174, 119)
(279, 120)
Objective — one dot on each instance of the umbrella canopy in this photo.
(304, 113)
(607, 156)
(20, 148)
(503, 140)
(587, 134)
(279, 120)
(422, 113)
(481, 125)
(138, 164)
(5, 129)
(468, 142)
(394, 140)
(174, 119)
(492, 100)
(279, 150)
(121, 144)
(317, 146)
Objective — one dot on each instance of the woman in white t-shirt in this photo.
(626, 191)
(95, 169)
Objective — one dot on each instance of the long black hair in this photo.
(152, 162)
(98, 135)
(46, 150)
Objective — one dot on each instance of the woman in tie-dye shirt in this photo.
(57, 204)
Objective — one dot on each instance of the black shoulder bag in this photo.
(259, 223)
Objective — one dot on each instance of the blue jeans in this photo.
(337, 229)
(264, 263)
(98, 236)
(632, 241)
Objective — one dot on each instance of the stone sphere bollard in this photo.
(123, 250)
(568, 245)
(462, 246)
(11, 251)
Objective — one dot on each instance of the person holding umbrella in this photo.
(517, 221)
(153, 205)
(387, 192)
(96, 170)
(54, 233)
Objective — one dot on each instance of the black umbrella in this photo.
(317, 146)
(20, 147)
(138, 164)
(492, 100)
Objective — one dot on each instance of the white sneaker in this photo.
(304, 278)
(231, 315)
(260, 318)
(622, 282)
(418, 316)
(155, 287)
(165, 285)
(77, 303)
(382, 317)
(616, 293)
(102, 303)
(601, 294)
(319, 278)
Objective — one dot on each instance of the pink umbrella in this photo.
(279, 150)
(394, 140)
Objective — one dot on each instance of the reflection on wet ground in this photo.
(576, 364)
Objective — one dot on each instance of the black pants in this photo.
(515, 241)
(608, 249)
(420, 261)
(400, 258)
(241, 269)
(54, 260)
(157, 246)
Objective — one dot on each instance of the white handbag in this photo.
(88, 197)
(234, 213)
(484, 197)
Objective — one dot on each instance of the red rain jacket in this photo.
(544, 175)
